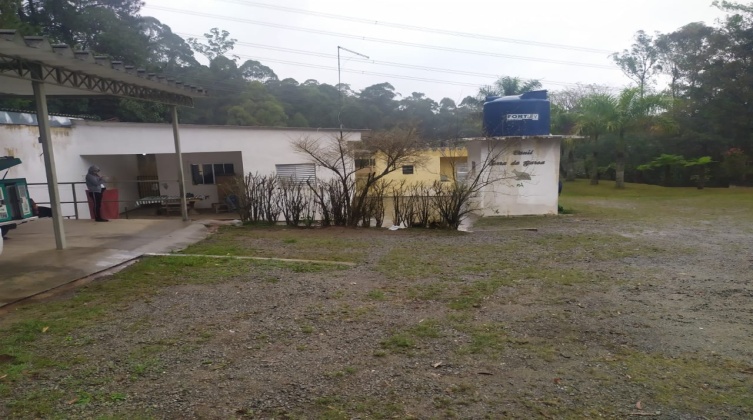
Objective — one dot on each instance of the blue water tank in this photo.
(519, 115)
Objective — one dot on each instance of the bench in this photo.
(170, 205)
(173, 204)
(218, 207)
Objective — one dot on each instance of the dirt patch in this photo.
(581, 318)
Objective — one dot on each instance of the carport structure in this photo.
(32, 67)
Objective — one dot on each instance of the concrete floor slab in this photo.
(30, 264)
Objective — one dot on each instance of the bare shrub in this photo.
(257, 197)
(452, 201)
(376, 200)
(297, 201)
(421, 205)
(240, 187)
(399, 201)
(393, 148)
(330, 202)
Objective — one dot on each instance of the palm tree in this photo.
(507, 86)
(595, 116)
(563, 122)
(637, 112)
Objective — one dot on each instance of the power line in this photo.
(207, 83)
(386, 41)
(231, 89)
(417, 28)
(378, 62)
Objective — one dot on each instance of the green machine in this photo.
(15, 207)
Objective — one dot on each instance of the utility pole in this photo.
(339, 83)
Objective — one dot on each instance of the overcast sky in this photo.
(443, 49)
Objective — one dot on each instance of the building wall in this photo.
(431, 165)
(114, 147)
(428, 167)
(22, 142)
(518, 187)
(261, 148)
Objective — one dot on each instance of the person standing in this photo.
(95, 184)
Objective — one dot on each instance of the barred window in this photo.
(298, 172)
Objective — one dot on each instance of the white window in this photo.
(297, 172)
(461, 171)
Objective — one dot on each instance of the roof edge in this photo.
(226, 127)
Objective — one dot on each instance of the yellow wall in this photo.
(429, 167)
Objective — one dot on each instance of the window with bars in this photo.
(206, 173)
(461, 172)
(299, 173)
(407, 169)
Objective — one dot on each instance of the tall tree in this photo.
(215, 44)
(167, 51)
(257, 108)
(108, 27)
(379, 104)
(420, 111)
(681, 54)
(254, 70)
(9, 14)
(566, 106)
(640, 62)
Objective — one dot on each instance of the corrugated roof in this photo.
(80, 73)
(25, 118)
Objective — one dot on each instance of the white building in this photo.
(522, 174)
(131, 152)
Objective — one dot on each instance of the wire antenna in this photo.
(339, 83)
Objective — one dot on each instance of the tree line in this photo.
(686, 119)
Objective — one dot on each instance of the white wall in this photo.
(510, 194)
(261, 148)
(22, 142)
(114, 146)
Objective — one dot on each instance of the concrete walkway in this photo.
(30, 264)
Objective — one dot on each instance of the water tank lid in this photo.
(534, 94)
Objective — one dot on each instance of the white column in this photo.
(179, 156)
(49, 161)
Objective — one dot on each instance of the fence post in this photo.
(75, 200)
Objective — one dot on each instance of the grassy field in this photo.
(636, 302)
(649, 202)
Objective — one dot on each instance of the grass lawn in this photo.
(650, 202)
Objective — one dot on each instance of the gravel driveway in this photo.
(561, 317)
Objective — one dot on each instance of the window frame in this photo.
(297, 178)
(199, 172)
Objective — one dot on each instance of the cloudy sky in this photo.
(443, 49)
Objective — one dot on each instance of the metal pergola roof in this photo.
(80, 73)
(31, 66)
